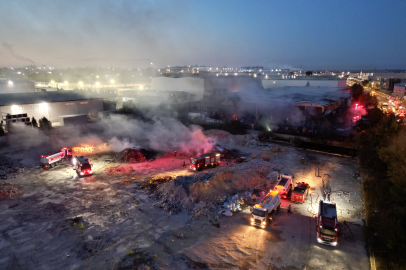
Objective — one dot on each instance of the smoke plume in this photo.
(10, 49)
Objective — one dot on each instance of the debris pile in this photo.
(173, 198)
(9, 167)
(186, 181)
(130, 155)
(8, 190)
(227, 183)
(152, 185)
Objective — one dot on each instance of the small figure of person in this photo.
(324, 196)
(254, 198)
(184, 164)
(174, 154)
(328, 197)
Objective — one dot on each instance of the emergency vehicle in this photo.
(284, 185)
(82, 165)
(327, 224)
(49, 161)
(300, 192)
(263, 212)
(204, 161)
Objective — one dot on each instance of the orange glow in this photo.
(90, 149)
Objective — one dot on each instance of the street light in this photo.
(112, 81)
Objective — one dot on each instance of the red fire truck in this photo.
(204, 161)
(327, 224)
(49, 161)
(300, 192)
(82, 165)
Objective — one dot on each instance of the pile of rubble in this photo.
(9, 168)
(130, 155)
(8, 190)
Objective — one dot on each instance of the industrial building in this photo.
(51, 105)
(304, 81)
(194, 86)
(317, 100)
(387, 80)
(16, 86)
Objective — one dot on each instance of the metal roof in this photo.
(39, 97)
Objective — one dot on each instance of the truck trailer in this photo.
(49, 161)
(284, 185)
(263, 211)
(203, 161)
(327, 224)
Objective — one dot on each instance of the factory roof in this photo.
(39, 97)
(298, 94)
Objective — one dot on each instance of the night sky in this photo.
(314, 34)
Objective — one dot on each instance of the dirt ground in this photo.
(105, 221)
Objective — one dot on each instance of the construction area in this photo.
(139, 208)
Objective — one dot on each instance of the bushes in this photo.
(44, 123)
(382, 160)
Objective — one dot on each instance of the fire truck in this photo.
(284, 185)
(300, 192)
(327, 224)
(49, 161)
(82, 165)
(263, 212)
(204, 161)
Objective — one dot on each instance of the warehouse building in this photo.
(194, 86)
(304, 81)
(314, 100)
(51, 105)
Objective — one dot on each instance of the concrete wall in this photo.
(52, 111)
(303, 82)
(188, 84)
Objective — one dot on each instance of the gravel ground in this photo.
(106, 221)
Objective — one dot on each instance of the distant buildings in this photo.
(387, 80)
(191, 85)
(304, 81)
(399, 90)
(16, 86)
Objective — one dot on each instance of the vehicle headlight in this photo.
(81, 173)
(319, 240)
(263, 222)
(252, 219)
(334, 243)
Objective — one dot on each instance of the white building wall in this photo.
(53, 110)
(191, 85)
(301, 82)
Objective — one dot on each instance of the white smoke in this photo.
(119, 132)
(117, 145)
